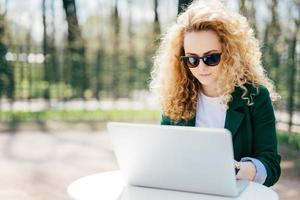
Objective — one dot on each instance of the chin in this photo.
(206, 82)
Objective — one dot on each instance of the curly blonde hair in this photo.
(241, 59)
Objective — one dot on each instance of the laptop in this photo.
(189, 159)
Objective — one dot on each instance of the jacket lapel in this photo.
(234, 118)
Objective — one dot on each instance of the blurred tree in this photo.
(47, 67)
(76, 48)
(151, 46)
(132, 60)
(53, 58)
(99, 71)
(100, 55)
(156, 21)
(51, 65)
(7, 83)
(247, 8)
(292, 66)
(271, 41)
(182, 4)
(29, 66)
(116, 67)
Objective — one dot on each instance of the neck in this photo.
(210, 91)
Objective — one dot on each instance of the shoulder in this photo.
(258, 92)
(249, 95)
(255, 93)
(259, 98)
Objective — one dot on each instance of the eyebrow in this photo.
(204, 54)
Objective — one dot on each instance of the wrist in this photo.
(249, 170)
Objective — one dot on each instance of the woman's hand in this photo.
(247, 171)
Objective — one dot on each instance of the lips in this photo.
(204, 74)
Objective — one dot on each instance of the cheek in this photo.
(212, 70)
(194, 71)
(215, 71)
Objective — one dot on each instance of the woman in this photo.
(208, 73)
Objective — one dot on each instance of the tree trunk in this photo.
(79, 81)
(292, 76)
(132, 61)
(116, 68)
(247, 8)
(7, 82)
(292, 64)
(46, 94)
(182, 4)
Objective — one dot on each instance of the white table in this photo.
(111, 186)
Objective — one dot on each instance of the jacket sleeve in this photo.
(264, 135)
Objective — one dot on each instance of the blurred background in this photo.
(69, 66)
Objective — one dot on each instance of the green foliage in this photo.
(7, 85)
(293, 139)
(82, 115)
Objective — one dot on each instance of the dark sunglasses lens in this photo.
(193, 62)
(212, 60)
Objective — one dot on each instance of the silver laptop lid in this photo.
(189, 159)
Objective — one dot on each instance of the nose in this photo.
(202, 64)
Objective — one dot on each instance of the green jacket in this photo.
(252, 127)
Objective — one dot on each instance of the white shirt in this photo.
(210, 112)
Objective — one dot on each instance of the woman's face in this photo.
(202, 43)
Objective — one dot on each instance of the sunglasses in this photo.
(209, 60)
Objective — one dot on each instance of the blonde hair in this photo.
(241, 59)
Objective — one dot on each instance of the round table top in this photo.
(111, 186)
